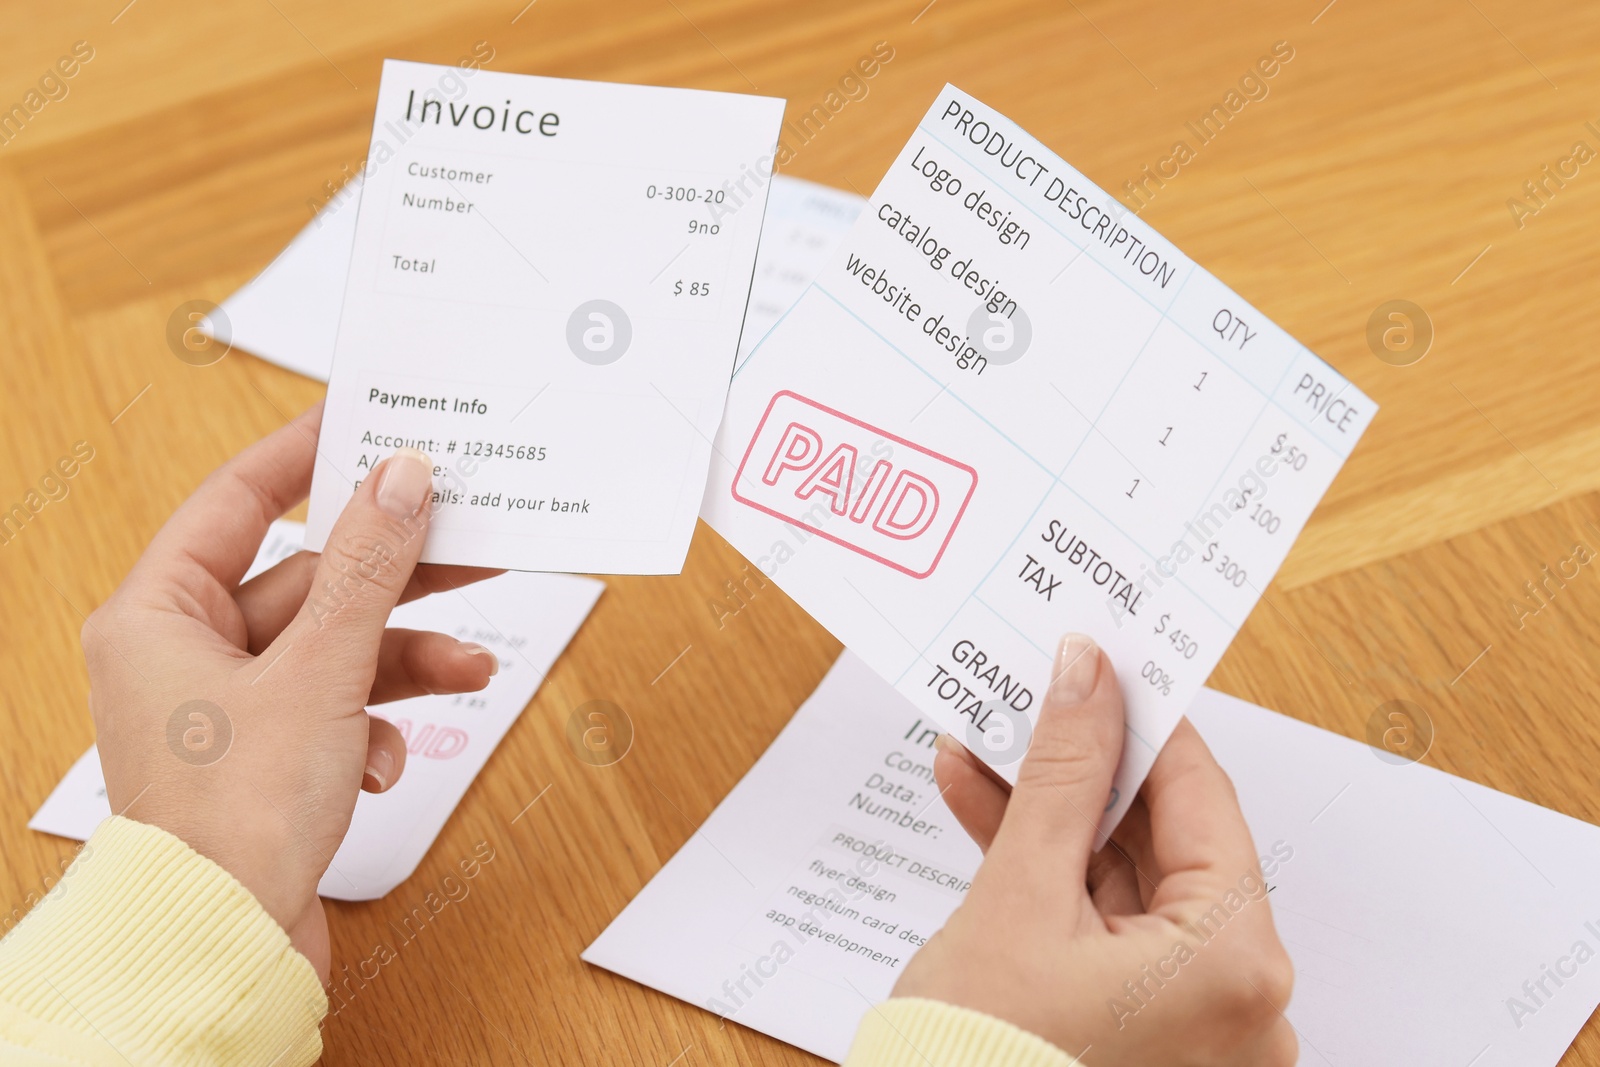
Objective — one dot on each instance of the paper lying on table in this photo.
(805, 223)
(545, 293)
(1431, 920)
(289, 314)
(1008, 409)
(525, 619)
(793, 908)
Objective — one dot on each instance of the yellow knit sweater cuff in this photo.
(157, 955)
(910, 1032)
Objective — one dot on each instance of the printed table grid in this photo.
(1055, 480)
(1194, 268)
(1269, 400)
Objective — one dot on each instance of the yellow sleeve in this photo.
(911, 1032)
(146, 952)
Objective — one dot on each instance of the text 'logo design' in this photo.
(858, 486)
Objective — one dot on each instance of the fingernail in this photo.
(474, 649)
(1077, 669)
(380, 767)
(947, 743)
(407, 479)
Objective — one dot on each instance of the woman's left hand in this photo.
(234, 715)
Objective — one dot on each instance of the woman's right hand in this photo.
(1158, 949)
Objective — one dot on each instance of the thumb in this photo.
(364, 567)
(1065, 779)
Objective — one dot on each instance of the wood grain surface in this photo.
(1379, 166)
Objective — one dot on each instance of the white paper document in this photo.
(546, 291)
(289, 313)
(525, 619)
(1431, 920)
(805, 223)
(796, 904)
(1008, 409)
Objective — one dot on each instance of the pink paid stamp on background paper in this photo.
(864, 488)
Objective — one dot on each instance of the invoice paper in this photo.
(545, 294)
(525, 619)
(805, 223)
(1008, 409)
(1431, 920)
(289, 313)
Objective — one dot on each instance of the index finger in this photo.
(216, 533)
(271, 599)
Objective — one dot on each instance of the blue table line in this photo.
(973, 594)
(1150, 556)
(1095, 424)
(1163, 314)
(943, 386)
(1260, 414)
(1162, 311)
(1051, 657)
(1050, 225)
(1014, 628)
(984, 580)
(1290, 366)
(770, 331)
(1055, 477)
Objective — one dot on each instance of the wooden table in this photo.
(199, 137)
